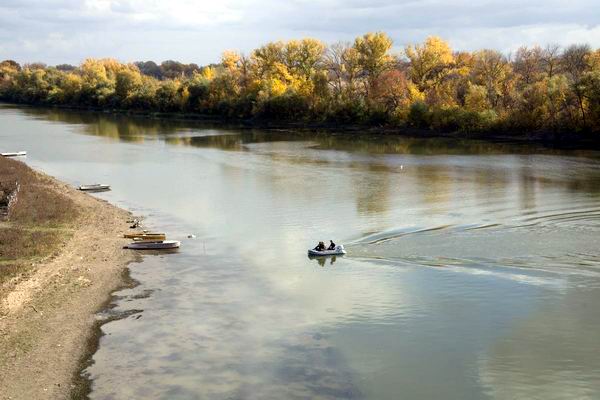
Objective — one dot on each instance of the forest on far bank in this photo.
(425, 86)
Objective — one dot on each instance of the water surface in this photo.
(473, 269)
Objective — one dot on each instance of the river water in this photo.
(473, 269)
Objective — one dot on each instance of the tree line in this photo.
(426, 85)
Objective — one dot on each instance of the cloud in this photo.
(59, 31)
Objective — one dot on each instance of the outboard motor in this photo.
(339, 247)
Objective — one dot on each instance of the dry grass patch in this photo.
(19, 243)
(38, 223)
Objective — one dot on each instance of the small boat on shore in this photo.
(14, 154)
(338, 251)
(145, 236)
(97, 187)
(154, 245)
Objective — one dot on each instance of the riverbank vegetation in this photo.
(38, 222)
(423, 86)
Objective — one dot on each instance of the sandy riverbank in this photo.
(47, 314)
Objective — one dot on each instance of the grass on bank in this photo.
(38, 223)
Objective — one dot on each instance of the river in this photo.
(473, 268)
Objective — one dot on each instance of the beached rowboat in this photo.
(148, 238)
(145, 235)
(157, 245)
(97, 187)
(14, 154)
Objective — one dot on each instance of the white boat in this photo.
(157, 245)
(338, 251)
(14, 154)
(97, 187)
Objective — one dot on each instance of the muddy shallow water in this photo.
(473, 269)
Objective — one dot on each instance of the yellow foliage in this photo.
(444, 93)
(593, 60)
(93, 71)
(414, 94)
(476, 98)
(208, 73)
(7, 71)
(276, 87)
(303, 56)
(230, 60)
(428, 61)
(264, 58)
(72, 84)
(372, 51)
(463, 63)
(127, 81)
(185, 95)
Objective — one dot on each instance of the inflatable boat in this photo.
(338, 251)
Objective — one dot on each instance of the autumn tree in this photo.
(170, 96)
(476, 98)
(491, 70)
(528, 64)
(590, 87)
(127, 81)
(373, 58)
(269, 59)
(429, 62)
(550, 59)
(574, 60)
(8, 72)
(99, 80)
(303, 58)
(343, 68)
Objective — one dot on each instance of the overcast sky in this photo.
(68, 31)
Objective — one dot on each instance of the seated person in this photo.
(331, 245)
(320, 247)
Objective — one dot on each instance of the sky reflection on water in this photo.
(472, 268)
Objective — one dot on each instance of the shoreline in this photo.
(81, 385)
(551, 139)
(48, 316)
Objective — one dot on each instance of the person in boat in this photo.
(320, 247)
(331, 245)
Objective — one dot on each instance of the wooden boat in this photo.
(338, 251)
(14, 154)
(97, 187)
(145, 236)
(154, 245)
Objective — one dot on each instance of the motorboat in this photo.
(14, 154)
(338, 251)
(154, 245)
(145, 236)
(97, 187)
